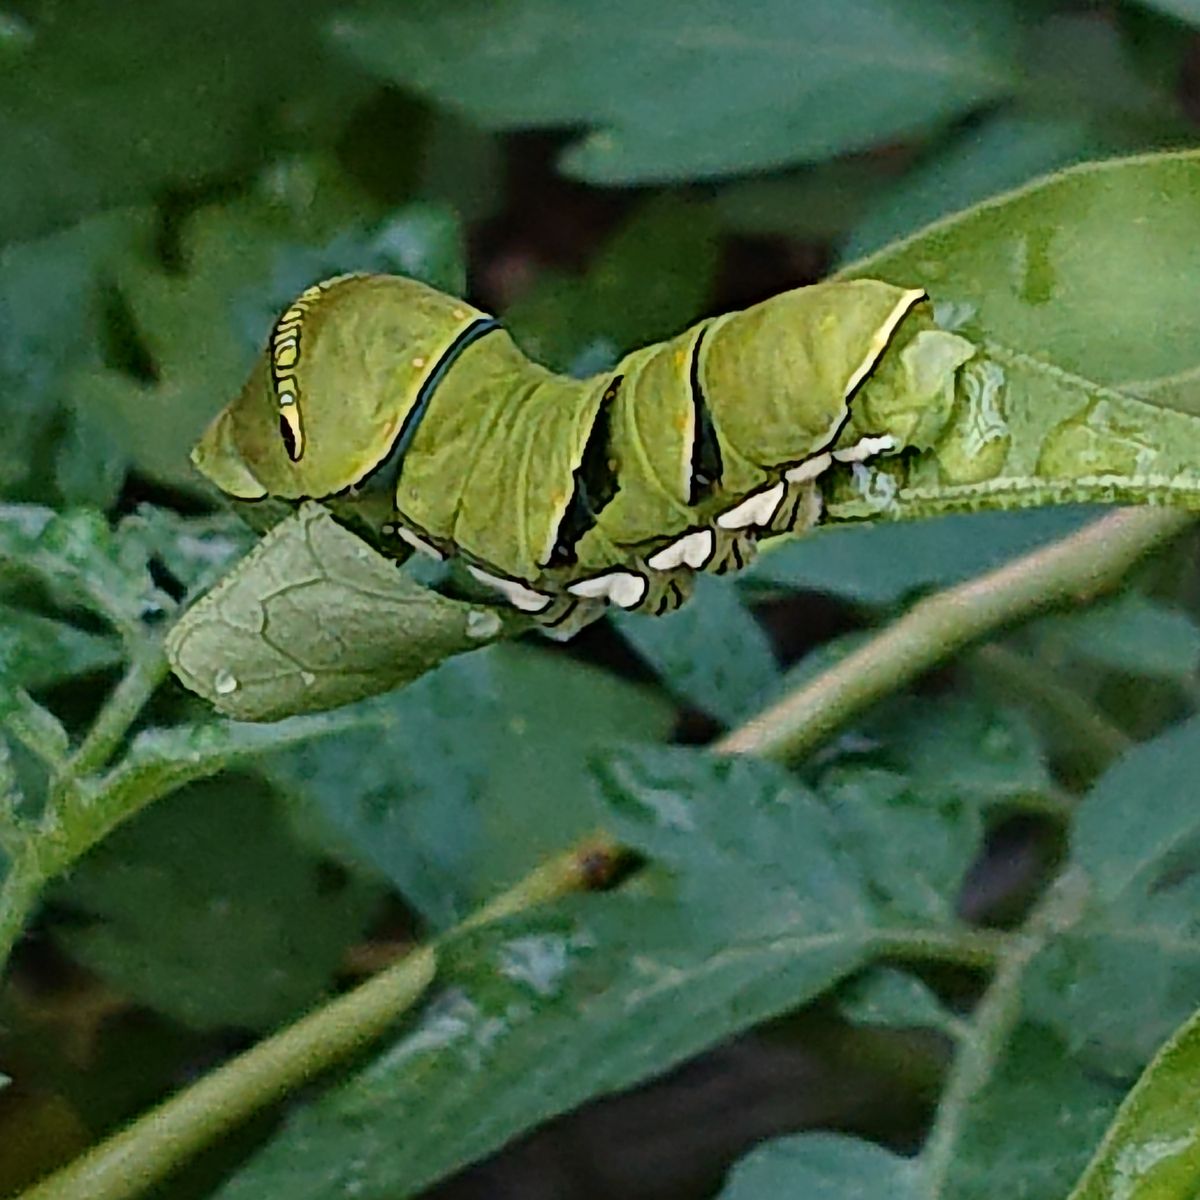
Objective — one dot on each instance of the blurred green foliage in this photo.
(599, 175)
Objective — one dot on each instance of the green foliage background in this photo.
(947, 934)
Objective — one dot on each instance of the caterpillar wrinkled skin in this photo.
(566, 495)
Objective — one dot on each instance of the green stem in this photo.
(158, 1142)
(18, 898)
(979, 949)
(147, 669)
(1093, 739)
(1076, 569)
(991, 1025)
(38, 730)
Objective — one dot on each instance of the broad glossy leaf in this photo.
(1045, 269)
(208, 910)
(313, 618)
(683, 90)
(1121, 979)
(1152, 1149)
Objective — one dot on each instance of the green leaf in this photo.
(97, 112)
(243, 263)
(960, 750)
(823, 1166)
(1152, 1149)
(1045, 269)
(1122, 978)
(649, 281)
(471, 777)
(748, 910)
(1130, 633)
(313, 618)
(1029, 1131)
(81, 562)
(38, 652)
(916, 849)
(889, 998)
(881, 565)
(1032, 276)
(711, 652)
(1002, 152)
(819, 203)
(52, 318)
(208, 910)
(1185, 10)
(684, 91)
(1080, 98)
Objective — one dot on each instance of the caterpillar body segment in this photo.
(564, 495)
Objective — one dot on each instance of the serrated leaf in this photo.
(748, 910)
(208, 910)
(1121, 979)
(471, 776)
(711, 652)
(313, 618)
(1152, 1149)
(682, 90)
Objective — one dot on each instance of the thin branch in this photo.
(1095, 741)
(147, 669)
(991, 1025)
(1076, 569)
(161, 1140)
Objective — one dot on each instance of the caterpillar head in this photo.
(327, 398)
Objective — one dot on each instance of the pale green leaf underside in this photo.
(313, 618)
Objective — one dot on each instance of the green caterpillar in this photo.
(565, 495)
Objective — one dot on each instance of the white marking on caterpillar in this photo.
(692, 550)
(883, 335)
(756, 509)
(809, 469)
(865, 448)
(517, 594)
(623, 588)
(417, 543)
